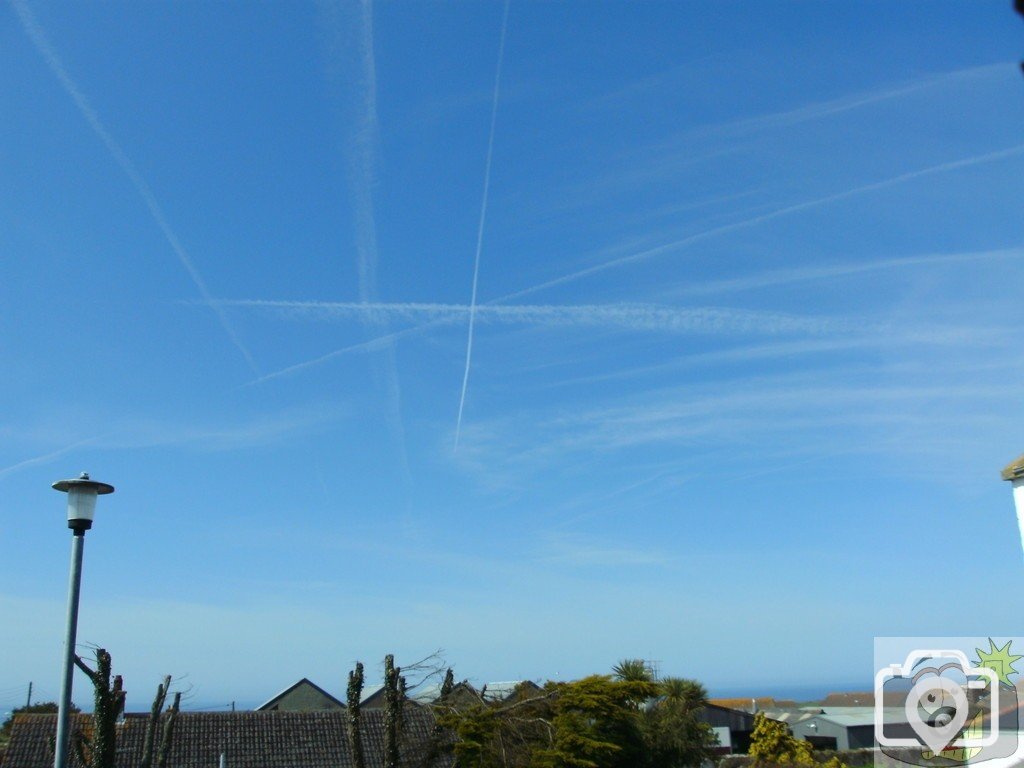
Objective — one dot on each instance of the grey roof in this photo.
(303, 682)
(790, 715)
(269, 739)
(857, 716)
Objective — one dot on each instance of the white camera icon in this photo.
(948, 722)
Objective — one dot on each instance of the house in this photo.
(852, 699)
(753, 704)
(303, 696)
(264, 739)
(844, 727)
(732, 726)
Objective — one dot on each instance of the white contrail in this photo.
(45, 458)
(624, 316)
(831, 271)
(820, 109)
(364, 175)
(480, 227)
(494, 311)
(46, 50)
(371, 345)
(365, 172)
(746, 223)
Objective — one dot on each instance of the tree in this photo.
(633, 670)
(493, 734)
(151, 747)
(394, 688)
(674, 734)
(597, 724)
(100, 751)
(447, 685)
(625, 720)
(771, 743)
(354, 700)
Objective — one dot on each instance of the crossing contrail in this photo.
(621, 316)
(42, 44)
(480, 228)
(364, 161)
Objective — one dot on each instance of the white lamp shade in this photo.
(1018, 500)
(81, 504)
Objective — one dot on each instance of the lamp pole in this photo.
(1014, 473)
(82, 493)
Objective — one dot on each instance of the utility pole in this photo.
(28, 701)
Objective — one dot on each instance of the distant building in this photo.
(843, 727)
(732, 726)
(753, 704)
(854, 699)
(303, 696)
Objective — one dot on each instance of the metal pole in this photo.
(60, 759)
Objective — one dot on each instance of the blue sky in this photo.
(743, 285)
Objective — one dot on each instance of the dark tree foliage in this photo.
(1019, 6)
(600, 721)
(392, 711)
(491, 733)
(100, 751)
(449, 676)
(634, 670)
(157, 740)
(354, 700)
(597, 724)
(674, 733)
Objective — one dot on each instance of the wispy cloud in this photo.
(702, 143)
(376, 344)
(774, 278)
(750, 423)
(125, 433)
(46, 458)
(46, 50)
(829, 107)
(772, 215)
(577, 551)
(893, 338)
(363, 161)
(483, 219)
(631, 317)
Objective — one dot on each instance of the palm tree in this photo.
(687, 694)
(633, 671)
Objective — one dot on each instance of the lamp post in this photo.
(82, 493)
(1014, 473)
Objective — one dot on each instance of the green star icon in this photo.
(999, 660)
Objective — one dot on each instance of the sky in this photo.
(546, 334)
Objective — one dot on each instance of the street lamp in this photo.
(1014, 472)
(82, 493)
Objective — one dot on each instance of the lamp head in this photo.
(1014, 470)
(82, 493)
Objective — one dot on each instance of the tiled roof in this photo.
(247, 739)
